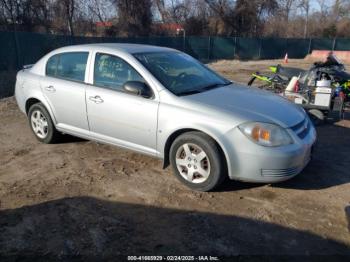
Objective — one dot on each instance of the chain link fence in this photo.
(21, 48)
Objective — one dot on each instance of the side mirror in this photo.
(137, 88)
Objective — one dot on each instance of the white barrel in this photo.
(292, 83)
(323, 83)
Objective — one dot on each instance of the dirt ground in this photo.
(84, 199)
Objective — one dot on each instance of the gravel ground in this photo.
(84, 199)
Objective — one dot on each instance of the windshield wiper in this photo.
(212, 86)
(205, 88)
(189, 92)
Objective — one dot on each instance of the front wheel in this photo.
(197, 161)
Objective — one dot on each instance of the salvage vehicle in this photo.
(331, 69)
(164, 103)
(309, 90)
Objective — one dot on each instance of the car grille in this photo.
(280, 172)
(302, 128)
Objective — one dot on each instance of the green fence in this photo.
(21, 48)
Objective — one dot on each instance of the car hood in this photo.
(251, 104)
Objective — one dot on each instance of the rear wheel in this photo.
(197, 162)
(42, 125)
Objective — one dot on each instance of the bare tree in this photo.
(177, 10)
(134, 16)
(286, 6)
(66, 13)
(12, 10)
(244, 17)
(340, 9)
(251, 18)
(101, 10)
(224, 10)
(25, 14)
(164, 12)
(305, 6)
(323, 6)
(41, 13)
(70, 6)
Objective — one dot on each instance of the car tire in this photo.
(197, 161)
(42, 125)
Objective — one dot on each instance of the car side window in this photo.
(69, 66)
(51, 66)
(112, 72)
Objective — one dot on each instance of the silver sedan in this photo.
(166, 104)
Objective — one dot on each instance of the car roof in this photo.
(126, 48)
(123, 47)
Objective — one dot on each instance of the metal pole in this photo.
(309, 51)
(334, 42)
(234, 48)
(184, 39)
(260, 43)
(209, 48)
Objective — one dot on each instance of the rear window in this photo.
(70, 66)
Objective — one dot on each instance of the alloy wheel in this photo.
(193, 163)
(39, 124)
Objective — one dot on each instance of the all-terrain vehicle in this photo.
(328, 80)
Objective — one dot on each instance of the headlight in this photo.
(266, 134)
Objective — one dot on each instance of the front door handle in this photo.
(50, 89)
(96, 99)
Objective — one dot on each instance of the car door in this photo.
(64, 88)
(116, 116)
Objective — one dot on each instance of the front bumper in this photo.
(254, 163)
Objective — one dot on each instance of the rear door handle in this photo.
(50, 88)
(96, 99)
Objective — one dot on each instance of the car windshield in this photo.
(180, 73)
